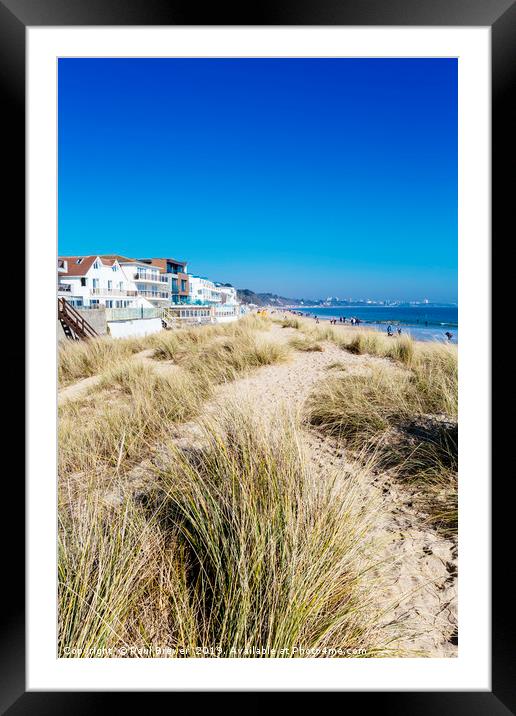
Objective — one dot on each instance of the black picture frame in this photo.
(500, 15)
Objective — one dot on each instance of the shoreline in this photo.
(417, 331)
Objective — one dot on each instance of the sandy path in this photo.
(422, 583)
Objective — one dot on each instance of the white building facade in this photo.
(150, 283)
(94, 281)
(203, 291)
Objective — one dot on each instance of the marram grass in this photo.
(398, 414)
(239, 545)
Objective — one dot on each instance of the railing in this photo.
(184, 314)
(154, 294)
(227, 310)
(111, 292)
(74, 321)
(149, 276)
(132, 314)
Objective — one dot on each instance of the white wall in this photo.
(230, 294)
(139, 327)
(226, 319)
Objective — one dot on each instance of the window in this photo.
(109, 304)
(84, 281)
(79, 261)
(183, 285)
(95, 283)
(110, 285)
(114, 267)
(121, 285)
(96, 265)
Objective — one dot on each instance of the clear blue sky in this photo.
(304, 177)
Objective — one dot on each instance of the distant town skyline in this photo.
(306, 178)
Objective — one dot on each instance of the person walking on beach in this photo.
(389, 330)
(399, 331)
(448, 335)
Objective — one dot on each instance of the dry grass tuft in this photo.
(306, 344)
(398, 414)
(130, 410)
(82, 359)
(238, 546)
(291, 323)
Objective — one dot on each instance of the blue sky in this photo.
(304, 177)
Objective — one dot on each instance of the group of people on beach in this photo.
(357, 321)
(354, 321)
(390, 333)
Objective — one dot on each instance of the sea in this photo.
(423, 323)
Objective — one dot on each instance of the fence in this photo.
(132, 314)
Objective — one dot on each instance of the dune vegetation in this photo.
(235, 540)
(235, 545)
(405, 410)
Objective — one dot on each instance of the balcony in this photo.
(64, 288)
(159, 295)
(111, 292)
(150, 276)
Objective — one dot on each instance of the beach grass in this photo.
(306, 344)
(132, 405)
(237, 545)
(233, 540)
(434, 365)
(289, 322)
(82, 359)
(400, 415)
(130, 409)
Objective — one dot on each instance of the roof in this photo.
(161, 262)
(106, 258)
(109, 259)
(75, 269)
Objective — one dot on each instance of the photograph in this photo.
(257, 357)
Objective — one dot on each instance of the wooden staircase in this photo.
(168, 320)
(75, 327)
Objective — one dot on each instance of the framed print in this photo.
(259, 431)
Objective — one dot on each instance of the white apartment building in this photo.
(150, 282)
(94, 281)
(222, 299)
(203, 291)
(228, 294)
